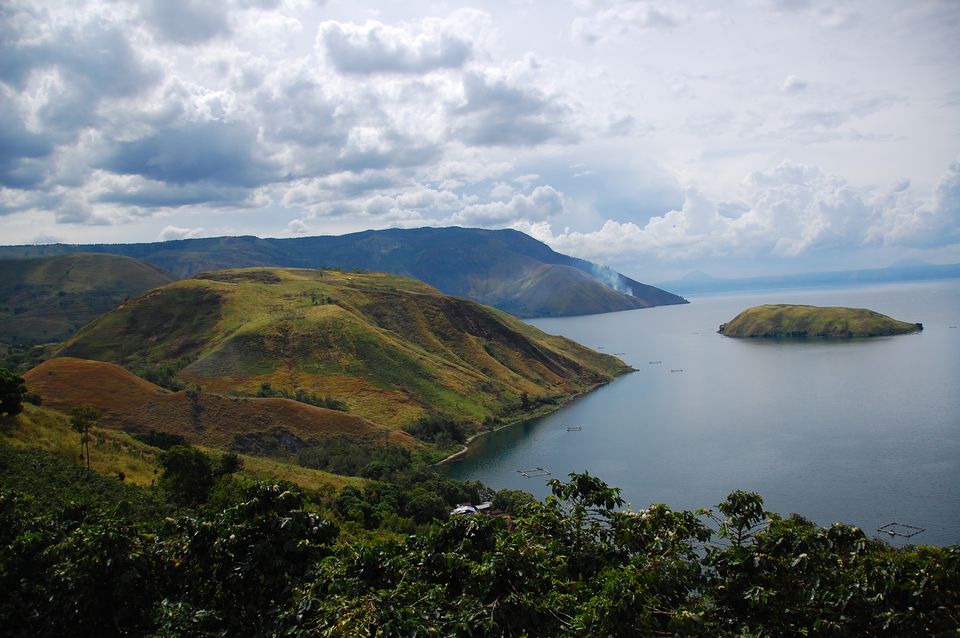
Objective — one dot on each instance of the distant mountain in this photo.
(391, 348)
(699, 282)
(48, 299)
(502, 268)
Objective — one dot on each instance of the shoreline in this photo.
(466, 446)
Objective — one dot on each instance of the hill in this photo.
(503, 268)
(245, 424)
(812, 321)
(392, 349)
(48, 299)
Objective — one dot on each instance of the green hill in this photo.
(391, 348)
(502, 268)
(48, 299)
(784, 320)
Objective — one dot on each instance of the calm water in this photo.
(861, 431)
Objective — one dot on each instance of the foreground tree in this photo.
(187, 475)
(12, 389)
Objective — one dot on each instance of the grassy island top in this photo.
(784, 320)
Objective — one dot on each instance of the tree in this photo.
(12, 389)
(187, 474)
(82, 418)
(229, 463)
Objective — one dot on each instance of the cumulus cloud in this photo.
(297, 227)
(186, 21)
(67, 73)
(792, 84)
(498, 112)
(787, 211)
(73, 208)
(374, 47)
(176, 232)
(146, 193)
(544, 202)
(934, 222)
(214, 151)
(622, 18)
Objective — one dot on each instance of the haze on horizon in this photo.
(756, 137)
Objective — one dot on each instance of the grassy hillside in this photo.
(393, 349)
(502, 268)
(278, 427)
(47, 431)
(48, 299)
(812, 321)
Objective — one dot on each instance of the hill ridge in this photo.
(392, 348)
(484, 265)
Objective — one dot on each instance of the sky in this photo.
(740, 138)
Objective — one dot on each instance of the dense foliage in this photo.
(303, 396)
(439, 430)
(574, 565)
(12, 389)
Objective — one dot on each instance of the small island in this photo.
(796, 321)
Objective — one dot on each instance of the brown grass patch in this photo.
(129, 403)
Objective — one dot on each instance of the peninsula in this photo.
(784, 320)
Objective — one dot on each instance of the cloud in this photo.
(73, 208)
(935, 222)
(46, 238)
(787, 211)
(297, 227)
(62, 73)
(216, 152)
(497, 112)
(407, 48)
(622, 18)
(544, 202)
(186, 21)
(792, 84)
(136, 191)
(176, 232)
(375, 148)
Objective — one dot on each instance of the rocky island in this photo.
(785, 320)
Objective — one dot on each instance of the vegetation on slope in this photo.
(784, 320)
(392, 349)
(263, 426)
(571, 566)
(48, 299)
(503, 268)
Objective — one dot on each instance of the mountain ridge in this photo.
(483, 265)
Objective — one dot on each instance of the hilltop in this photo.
(392, 349)
(502, 268)
(48, 299)
(783, 320)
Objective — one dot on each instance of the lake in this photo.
(863, 431)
